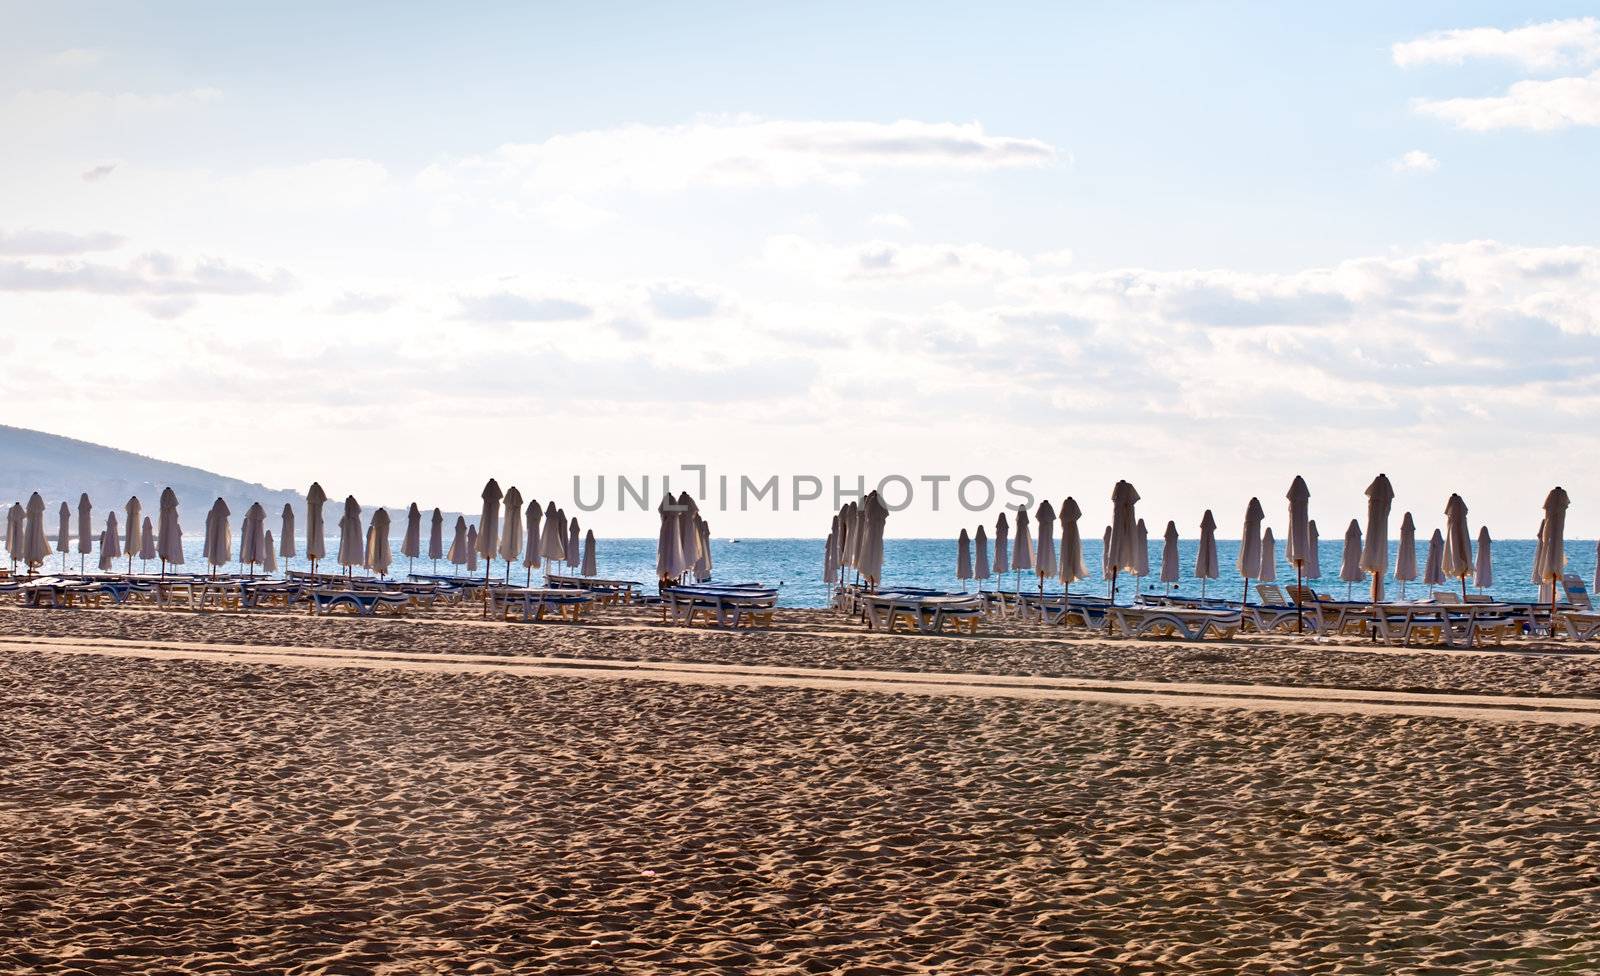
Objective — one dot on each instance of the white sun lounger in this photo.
(1181, 622)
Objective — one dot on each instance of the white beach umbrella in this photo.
(1044, 557)
(830, 554)
(147, 543)
(688, 534)
(1072, 568)
(1124, 531)
(1108, 566)
(1206, 566)
(1313, 567)
(703, 564)
(575, 542)
(511, 531)
(169, 544)
(436, 547)
(16, 521)
(110, 542)
(1433, 568)
(219, 536)
(1405, 557)
(352, 542)
(842, 542)
(1483, 577)
(86, 532)
(963, 558)
(1002, 552)
(1170, 571)
(1249, 560)
(35, 536)
(411, 542)
(553, 544)
(530, 531)
(588, 568)
(1375, 557)
(1144, 552)
(64, 533)
(472, 550)
(489, 521)
(875, 514)
(1538, 565)
(269, 564)
(1457, 562)
(1350, 570)
(316, 541)
(1269, 558)
(1298, 546)
(253, 537)
(669, 547)
(286, 533)
(457, 554)
(1022, 547)
(132, 528)
(980, 556)
(378, 555)
(1552, 561)
(858, 531)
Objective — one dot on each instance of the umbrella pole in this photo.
(1463, 589)
(1114, 587)
(1552, 607)
(486, 564)
(1299, 582)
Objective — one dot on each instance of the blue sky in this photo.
(1084, 241)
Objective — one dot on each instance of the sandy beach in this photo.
(271, 793)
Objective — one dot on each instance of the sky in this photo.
(1204, 247)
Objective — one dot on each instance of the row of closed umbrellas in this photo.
(1365, 555)
(531, 534)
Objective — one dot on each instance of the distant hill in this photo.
(60, 468)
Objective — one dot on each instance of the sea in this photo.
(794, 567)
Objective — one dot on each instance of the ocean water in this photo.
(795, 567)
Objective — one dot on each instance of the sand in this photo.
(432, 814)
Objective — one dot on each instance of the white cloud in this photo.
(54, 106)
(735, 152)
(506, 306)
(151, 274)
(95, 174)
(76, 57)
(52, 243)
(891, 261)
(893, 221)
(1414, 161)
(1552, 44)
(1531, 104)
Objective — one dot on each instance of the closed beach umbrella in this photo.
(703, 565)
(1483, 577)
(842, 541)
(1022, 546)
(1124, 531)
(219, 536)
(1405, 557)
(575, 542)
(1538, 563)
(830, 554)
(1170, 573)
(1044, 559)
(378, 555)
(688, 534)
(1249, 561)
(963, 558)
(457, 555)
(1457, 542)
(588, 554)
(352, 542)
(64, 533)
(411, 543)
(1144, 551)
(1002, 542)
(147, 543)
(489, 521)
(530, 531)
(436, 547)
(1206, 566)
(1375, 557)
(1298, 545)
(874, 516)
(1433, 568)
(133, 527)
(253, 537)
(35, 536)
(1073, 567)
(1553, 559)
(169, 545)
(86, 532)
(980, 556)
(1269, 558)
(286, 533)
(16, 523)
(472, 550)
(316, 542)
(1108, 566)
(511, 531)
(669, 548)
(110, 542)
(1313, 567)
(1350, 565)
(553, 545)
(269, 564)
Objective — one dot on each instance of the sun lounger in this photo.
(1186, 623)
(530, 603)
(363, 603)
(54, 591)
(725, 605)
(927, 613)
